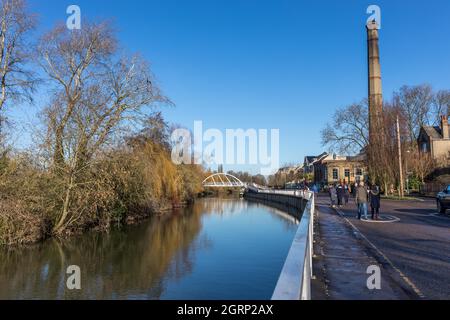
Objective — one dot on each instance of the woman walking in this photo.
(375, 200)
(333, 196)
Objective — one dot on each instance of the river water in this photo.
(214, 249)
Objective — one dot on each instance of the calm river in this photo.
(214, 249)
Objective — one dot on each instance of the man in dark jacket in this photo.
(375, 201)
(340, 194)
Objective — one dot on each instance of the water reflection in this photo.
(200, 252)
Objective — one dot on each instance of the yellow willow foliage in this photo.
(159, 172)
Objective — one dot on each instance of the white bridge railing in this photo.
(294, 282)
(297, 193)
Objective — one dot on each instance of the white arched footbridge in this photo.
(223, 180)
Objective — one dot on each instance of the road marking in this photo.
(438, 215)
(391, 219)
(402, 275)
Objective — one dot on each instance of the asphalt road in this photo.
(415, 243)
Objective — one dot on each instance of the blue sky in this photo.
(272, 64)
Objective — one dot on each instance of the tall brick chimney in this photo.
(374, 74)
(445, 127)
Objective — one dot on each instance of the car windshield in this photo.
(448, 189)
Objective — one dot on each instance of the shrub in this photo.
(19, 225)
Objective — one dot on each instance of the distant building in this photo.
(292, 172)
(436, 141)
(332, 168)
(289, 176)
(309, 161)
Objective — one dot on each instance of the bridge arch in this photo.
(222, 180)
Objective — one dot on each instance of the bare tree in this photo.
(348, 131)
(421, 163)
(155, 129)
(17, 81)
(72, 61)
(415, 103)
(96, 95)
(441, 105)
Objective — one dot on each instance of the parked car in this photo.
(443, 200)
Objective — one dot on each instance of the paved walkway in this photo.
(343, 255)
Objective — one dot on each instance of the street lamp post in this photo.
(407, 173)
(401, 191)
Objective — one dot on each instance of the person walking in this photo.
(361, 200)
(375, 201)
(340, 193)
(353, 189)
(333, 196)
(346, 193)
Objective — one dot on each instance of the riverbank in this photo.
(122, 186)
(18, 228)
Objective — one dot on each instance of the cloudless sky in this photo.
(272, 64)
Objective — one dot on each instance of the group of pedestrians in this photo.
(364, 196)
(340, 193)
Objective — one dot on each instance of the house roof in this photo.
(310, 159)
(433, 132)
(358, 157)
(327, 158)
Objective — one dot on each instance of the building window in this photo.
(359, 172)
(347, 175)
(335, 174)
(424, 147)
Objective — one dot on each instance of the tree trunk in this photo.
(58, 153)
(65, 211)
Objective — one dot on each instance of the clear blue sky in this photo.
(273, 64)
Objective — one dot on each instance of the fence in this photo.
(294, 282)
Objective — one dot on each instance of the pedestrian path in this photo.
(342, 259)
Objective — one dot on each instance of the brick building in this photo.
(332, 168)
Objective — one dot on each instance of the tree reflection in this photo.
(129, 263)
(145, 261)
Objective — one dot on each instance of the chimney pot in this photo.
(445, 127)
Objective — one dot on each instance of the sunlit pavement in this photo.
(411, 244)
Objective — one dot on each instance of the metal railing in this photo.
(297, 193)
(294, 282)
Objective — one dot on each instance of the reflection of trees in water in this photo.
(23, 271)
(222, 206)
(135, 262)
(288, 215)
(131, 263)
